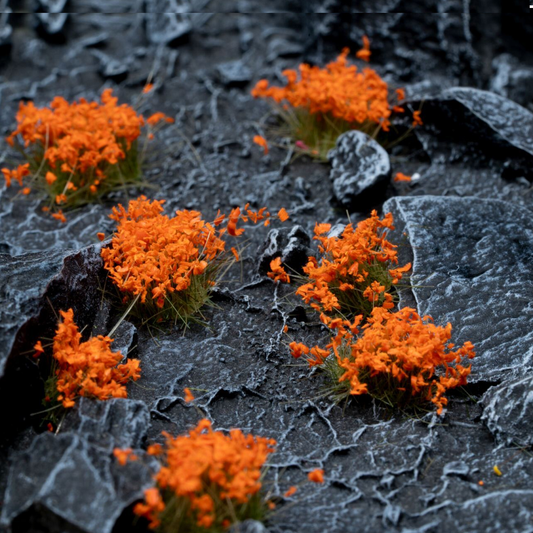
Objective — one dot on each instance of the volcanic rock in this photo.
(508, 411)
(360, 168)
(472, 261)
(72, 480)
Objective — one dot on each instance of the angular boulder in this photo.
(72, 482)
(360, 169)
(472, 267)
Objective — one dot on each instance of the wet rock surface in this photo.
(466, 216)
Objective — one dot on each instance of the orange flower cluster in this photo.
(210, 473)
(396, 355)
(353, 275)
(339, 90)
(88, 368)
(77, 143)
(155, 256)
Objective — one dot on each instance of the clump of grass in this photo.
(166, 267)
(398, 358)
(88, 369)
(319, 104)
(208, 481)
(78, 152)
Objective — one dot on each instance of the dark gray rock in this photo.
(32, 283)
(167, 21)
(6, 31)
(512, 79)
(360, 169)
(74, 478)
(234, 73)
(472, 267)
(478, 129)
(51, 19)
(291, 245)
(509, 121)
(508, 413)
(111, 68)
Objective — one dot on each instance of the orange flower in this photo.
(188, 395)
(101, 236)
(342, 281)
(297, 349)
(203, 464)
(338, 91)
(148, 88)
(158, 117)
(401, 351)
(316, 476)
(290, 491)
(59, 216)
(283, 215)
(157, 257)
(38, 349)
(88, 368)
(261, 141)
(400, 93)
(77, 144)
(125, 455)
(417, 121)
(26, 190)
(277, 272)
(401, 177)
(364, 53)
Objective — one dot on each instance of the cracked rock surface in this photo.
(464, 221)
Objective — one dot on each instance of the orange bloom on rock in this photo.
(206, 475)
(170, 264)
(401, 177)
(277, 272)
(88, 368)
(364, 53)
(316, 476)
(261, 141)
(79, 146)
(351, 268)
(398, 354)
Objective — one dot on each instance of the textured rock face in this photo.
(383, 471)
(508, 413)
(167, 21)
(360, 168)
(67, 280)
(291, 245)
(472, 261)
(78, 466)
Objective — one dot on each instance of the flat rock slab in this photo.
(472, 267)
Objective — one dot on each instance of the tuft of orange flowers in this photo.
(87, 368)
(207, 480)
(318, 104)
(354, 274)
(395, 358)
(79, 151)
(170, 264)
